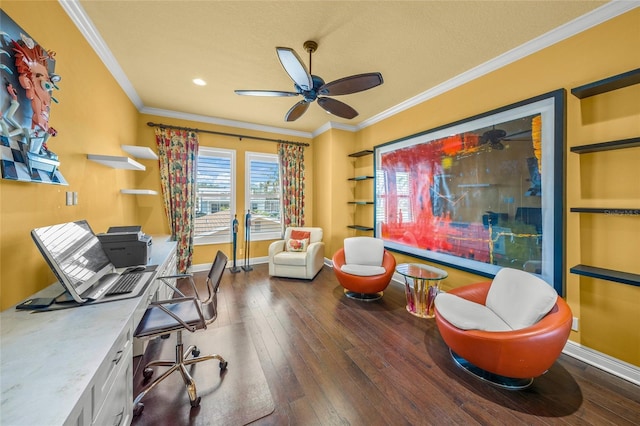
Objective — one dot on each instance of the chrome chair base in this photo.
(508, 383)
(180, 364)
(363, 297)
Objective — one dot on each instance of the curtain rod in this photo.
(233, 135)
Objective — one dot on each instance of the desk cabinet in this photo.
(74, 366)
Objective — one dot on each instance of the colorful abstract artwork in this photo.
(29, 83)
(479, 194)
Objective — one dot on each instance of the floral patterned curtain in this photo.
(292, 183)
(178, 152)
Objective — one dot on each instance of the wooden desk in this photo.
(74, 366)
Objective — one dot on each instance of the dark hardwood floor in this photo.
(330, 360)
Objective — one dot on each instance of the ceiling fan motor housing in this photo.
(311, 95)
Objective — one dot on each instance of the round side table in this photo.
(421, 287)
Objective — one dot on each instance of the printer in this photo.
(126, 246)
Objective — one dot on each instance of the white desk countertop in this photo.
(48, 359)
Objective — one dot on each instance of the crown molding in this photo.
(333, 125)
(578, 25)
(79, 17)
(224, 122)
(571, 28)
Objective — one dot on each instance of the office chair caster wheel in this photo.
(147, 373)
(223, 365)
(195, 352)
(138, 409)
(195, 403)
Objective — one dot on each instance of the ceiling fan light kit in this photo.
(310, 86)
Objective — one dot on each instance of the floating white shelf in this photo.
(140, 152)
(116, 162)
(139, 191)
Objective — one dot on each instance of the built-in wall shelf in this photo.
(361, 153)
(606, 274)
(606, 146)
(116, 162)
(357, 155)
(607, 84)
(142, 152)
(360, 227)
(139, 191)
(607, 211)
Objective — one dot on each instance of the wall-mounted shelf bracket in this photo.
(142, 152)
(116, 162)
(607, 84)
(360, 227)
(607, 211)
(606, 146)
(139, 191)
(606, 274)
(361, 153)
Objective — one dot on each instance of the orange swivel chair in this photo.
(364, 268)
(507, 331)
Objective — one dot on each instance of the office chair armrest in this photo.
(161, 304)
(178, 276)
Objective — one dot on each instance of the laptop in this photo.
(76, 257)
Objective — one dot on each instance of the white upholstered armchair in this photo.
(299, 255)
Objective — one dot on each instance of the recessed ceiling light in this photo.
(199, 82)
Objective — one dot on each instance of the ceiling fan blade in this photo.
(296, 111)
(338, 108)
(351, 84)
(294, 66)
(264, 93)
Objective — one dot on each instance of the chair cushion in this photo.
(297, 245)
(362, 270)
(468, 315)
(290, 258)
(363, 251)
(521, 299)
(155, 320)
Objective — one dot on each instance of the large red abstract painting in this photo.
(477, 194)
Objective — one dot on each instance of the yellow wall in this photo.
(95, 116)
(608, 312)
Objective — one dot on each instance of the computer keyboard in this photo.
(125, 284)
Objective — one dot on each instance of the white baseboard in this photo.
(604, 362)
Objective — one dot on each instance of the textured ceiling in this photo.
(416, 45)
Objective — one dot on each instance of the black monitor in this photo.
(74, 254)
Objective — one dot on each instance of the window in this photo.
(263, 195)
(215, 195)
(402, 210)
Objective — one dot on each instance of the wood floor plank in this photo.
(330, 360)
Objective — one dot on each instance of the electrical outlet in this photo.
(69, 198)
(574, 324)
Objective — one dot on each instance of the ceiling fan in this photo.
(312, 87)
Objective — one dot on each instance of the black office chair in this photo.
(175, 315)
